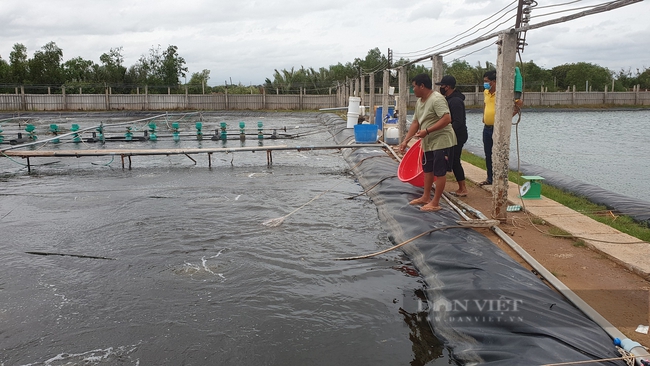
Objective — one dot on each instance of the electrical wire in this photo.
(467, 54)
(573, 9)
(440, 45)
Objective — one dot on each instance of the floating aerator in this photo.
(199, 132)
(175, 133)
(152, 131)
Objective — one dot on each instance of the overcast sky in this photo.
(245, 40)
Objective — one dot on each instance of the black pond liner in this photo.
(637, 209)
(484, 306)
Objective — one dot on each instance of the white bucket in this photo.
(392, 136)
(353, 119)
(354, 104)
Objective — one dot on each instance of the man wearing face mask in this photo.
(489, 114)
(456, 102)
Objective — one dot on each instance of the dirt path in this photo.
(619, 295)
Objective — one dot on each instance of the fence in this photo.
(144, 102)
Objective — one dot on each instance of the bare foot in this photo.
(430, 208)
(419, 201)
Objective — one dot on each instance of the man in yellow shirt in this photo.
(489, 113)
(431, 123)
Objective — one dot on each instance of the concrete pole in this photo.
(436, 69)
(355, 91)
(362, 91)
(507, 52)
(384, 94)
(403, 101)
(23, 99)
(371, 98)
(263, 98)
(65, 102)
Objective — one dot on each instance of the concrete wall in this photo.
(94, 102)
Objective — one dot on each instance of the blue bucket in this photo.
(365, 134)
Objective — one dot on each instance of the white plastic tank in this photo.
(354, 104)
(353, 119)
(353, 111)
(392, 136)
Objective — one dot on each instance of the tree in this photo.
(198, 82)
(158, 68)
(5, 74)
(80, 73)
(111, 70)
(578, 74)
(644, 79)
(172, 66)
(463, 72)
(45, 67)
(374, 62)
(18, 65)
(79, 70)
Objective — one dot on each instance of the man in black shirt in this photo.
(456, 102)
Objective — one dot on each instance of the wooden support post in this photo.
(371, 98)
(190, 158)
(29, 167)
(362, 89)
(269, 157)
(209, 160)
(403, 101)
(506, 57)
(129, 162)
(122, 156)
(384, 94)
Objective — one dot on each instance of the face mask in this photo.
(443, 90)
(486, 86)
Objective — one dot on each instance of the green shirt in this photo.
(427, 113)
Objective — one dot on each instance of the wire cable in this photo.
(437, 46)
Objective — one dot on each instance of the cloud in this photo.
(248, 39)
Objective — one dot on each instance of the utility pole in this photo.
(506, 57)
(436, 68)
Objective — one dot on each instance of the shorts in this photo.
(437, 162)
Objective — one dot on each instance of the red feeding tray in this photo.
(410, 168)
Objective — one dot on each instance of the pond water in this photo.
(609, 148)
(169, 263)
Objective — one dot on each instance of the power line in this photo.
(422, 52)
(572, 9)
(467, 54)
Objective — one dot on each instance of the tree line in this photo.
(161, 71)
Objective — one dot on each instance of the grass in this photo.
(577, 203)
